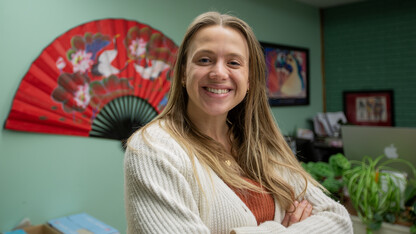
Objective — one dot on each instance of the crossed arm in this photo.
(153, 179)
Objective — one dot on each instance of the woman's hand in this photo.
(302, 211)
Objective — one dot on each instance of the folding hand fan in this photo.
(104, 78)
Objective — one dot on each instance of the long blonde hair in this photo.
(257, 144)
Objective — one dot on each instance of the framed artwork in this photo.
(287, 78)
(369, 107)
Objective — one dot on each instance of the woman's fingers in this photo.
(306, 212)
(297, 212)
(285, 221)
(303, 211)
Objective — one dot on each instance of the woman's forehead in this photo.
(216, 38)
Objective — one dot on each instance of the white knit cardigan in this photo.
(163, 196)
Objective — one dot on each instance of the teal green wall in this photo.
(372, 46)
(48, 176)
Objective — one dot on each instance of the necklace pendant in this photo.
(228, 162)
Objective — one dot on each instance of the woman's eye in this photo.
(234, 63)
(204, 60)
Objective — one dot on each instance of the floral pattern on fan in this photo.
(108, 89)
(84, 50)
(93, 65)
(150, 53)
(94, 56)
(73, 92)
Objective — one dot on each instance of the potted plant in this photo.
(376, 190)
(408, 215)
(329, 174)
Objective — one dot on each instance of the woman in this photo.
(214, 160)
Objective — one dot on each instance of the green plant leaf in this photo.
(390, 217)
(339, 163)
(373, 192)
(410, 192)
(413, 228)
(414, 208)
(332, 185)
(375, 225)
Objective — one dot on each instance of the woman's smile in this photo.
(217, 91)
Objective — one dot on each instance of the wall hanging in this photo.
(369, 107)
(104, 78)
(287, 81)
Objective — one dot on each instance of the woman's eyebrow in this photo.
(238, 55)
(205, 51)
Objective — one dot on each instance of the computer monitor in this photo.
(373, 141)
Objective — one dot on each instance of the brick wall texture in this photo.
(371, 45)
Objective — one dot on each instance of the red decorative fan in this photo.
(104, 78)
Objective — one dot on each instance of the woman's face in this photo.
(216, 74)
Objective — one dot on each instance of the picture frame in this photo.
(287, 76)
(369, 107)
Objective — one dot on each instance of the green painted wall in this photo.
(47, 176)
(372, 46)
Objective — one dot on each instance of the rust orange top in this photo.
(261, 204)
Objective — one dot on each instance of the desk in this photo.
(317, 150)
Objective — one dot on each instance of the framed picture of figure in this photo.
(369, 107)
(287, 78)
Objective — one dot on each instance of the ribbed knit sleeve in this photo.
(159, 196)
(328, 216)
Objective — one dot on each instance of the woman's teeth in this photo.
(217, 91)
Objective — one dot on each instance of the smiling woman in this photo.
(216, 77)
(214, 160)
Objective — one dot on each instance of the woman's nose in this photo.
(218, 71)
